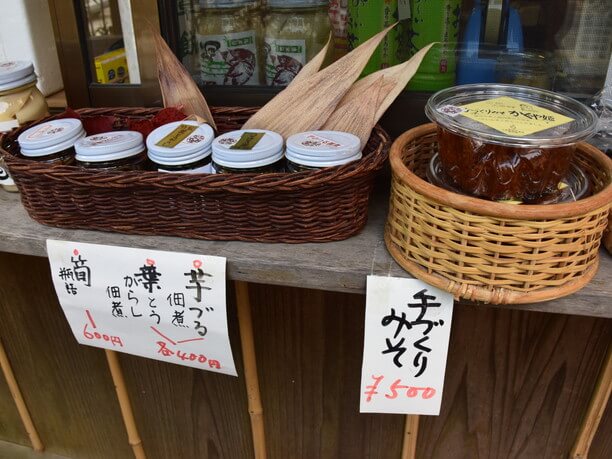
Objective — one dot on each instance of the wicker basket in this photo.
(488, 251)
(314, 206)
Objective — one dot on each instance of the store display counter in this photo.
(519, 378)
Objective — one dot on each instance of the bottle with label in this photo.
(295, 32)
(228, 42)
(368, 17)
(434, 21)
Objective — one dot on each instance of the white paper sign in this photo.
(407, 328)
(160, 305)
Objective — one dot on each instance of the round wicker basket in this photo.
(488, 251)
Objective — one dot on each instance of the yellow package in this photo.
(112, 67)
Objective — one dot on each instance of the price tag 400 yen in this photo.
(407, 329)
(160, 305)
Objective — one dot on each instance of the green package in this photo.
(368, 17)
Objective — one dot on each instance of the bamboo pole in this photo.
(596, 409)
(250, 369)
(411, 432)
(125, 405)
(22, 409)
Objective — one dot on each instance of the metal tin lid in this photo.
(109, 146)
(11, 71)
(191, 146)
(323, 148)
(267, 150)
(226, 3)
(50, 137)
(512, 115)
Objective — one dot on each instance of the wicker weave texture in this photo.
(493, 252)
(313, 206)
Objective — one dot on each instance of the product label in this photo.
(229, 59)
(44, 130)
(180, 133)
(103, 139)
(513, 117)
(314, 141)
(247, 141)
(284, 59)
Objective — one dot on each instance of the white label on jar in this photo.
(284, 59)
(230, 59)
(5, 178)
(207, 169)
(44, 130)
(314, 141)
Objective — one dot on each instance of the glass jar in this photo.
(52, 141)
(295, 32)
(20, 99)
(6, 181)
(229, 43)
(252, 151)
(320, 149)
(182, 146)
(112, 151)
(507, 142)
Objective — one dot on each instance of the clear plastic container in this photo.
(20, 99)
(507, 142)
(182, 146)
(295, 32)
(52, 141)
(229, 42)
(233, 152)
(113, 151)
(320, 149)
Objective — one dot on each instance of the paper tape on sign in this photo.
(407, 329)
(160, 305)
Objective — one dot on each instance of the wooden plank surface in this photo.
(517, 385)
(338, 266)
(67, 387)
(188, 413)
(309, 347)
(11, 427)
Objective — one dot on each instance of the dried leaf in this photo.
(358, 116)
(177, 86)
(314, 65)
(398, 76)
(308, 103)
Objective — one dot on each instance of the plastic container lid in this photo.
(523, 116)
(14, 74)
(226, 3)
(50, 137)
(323, 148)
(195, 147)
(267, 151)
(109, 146)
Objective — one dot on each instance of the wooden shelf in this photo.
(337, 266)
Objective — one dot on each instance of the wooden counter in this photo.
(334, 266)
(518, 380)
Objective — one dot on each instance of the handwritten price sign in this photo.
(407, 328)
(160, 305)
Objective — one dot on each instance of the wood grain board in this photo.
(337, 266)
(517, 383)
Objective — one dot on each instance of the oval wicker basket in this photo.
(488, 251)
(313, 206)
